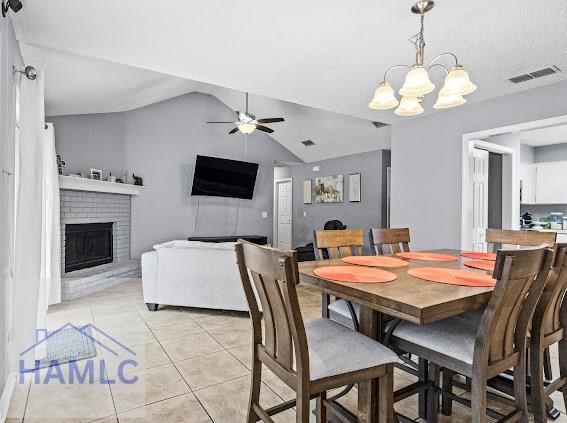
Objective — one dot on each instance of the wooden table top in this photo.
(407, 298)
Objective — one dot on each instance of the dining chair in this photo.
(311, 356)
(482, 352)
(389, 241)
(335, 244)
(510, 239)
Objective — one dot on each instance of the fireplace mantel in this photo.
(83, 184)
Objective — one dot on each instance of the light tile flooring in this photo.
(193, 366)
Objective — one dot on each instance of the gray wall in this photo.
(9, 56)
(426, 160)
(365, 214)
(550, 153)
(162, 142)
(91, 141)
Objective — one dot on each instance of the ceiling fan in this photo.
(247, 122)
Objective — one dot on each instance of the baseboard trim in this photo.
(7, 396)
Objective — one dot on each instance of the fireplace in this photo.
(87, 245)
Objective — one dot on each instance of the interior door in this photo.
(285, 213)
(480, 198)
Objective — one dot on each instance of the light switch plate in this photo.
(264, 215)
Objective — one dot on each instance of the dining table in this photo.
(407, 298)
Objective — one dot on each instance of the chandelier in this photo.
(417, 84)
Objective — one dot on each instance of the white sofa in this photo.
(193, 274)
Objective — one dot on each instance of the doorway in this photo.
(283, 213)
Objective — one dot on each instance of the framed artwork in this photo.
(354, 189)
(96, 174)
(329, 189)
(307, 190)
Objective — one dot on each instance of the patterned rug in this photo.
(66, 345)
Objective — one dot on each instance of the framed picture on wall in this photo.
(354, 188)
(96, 174)
(329, 189)
(307, 190)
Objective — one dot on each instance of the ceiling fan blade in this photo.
(271, 120)
(264, 128)
(219, 122)
(233, 131)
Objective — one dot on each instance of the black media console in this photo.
(256, 239)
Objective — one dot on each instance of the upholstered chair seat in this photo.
(334, 350)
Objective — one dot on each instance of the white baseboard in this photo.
(7, 396)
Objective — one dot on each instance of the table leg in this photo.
(370, 325)
(423, 371)
(325, 301)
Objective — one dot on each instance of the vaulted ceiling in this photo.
(325, 54)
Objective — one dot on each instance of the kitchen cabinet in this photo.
(527, 181)
(544, 183)
(551, 183)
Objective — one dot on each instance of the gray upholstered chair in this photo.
(482, 352)
(310, 357)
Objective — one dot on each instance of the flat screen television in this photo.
(224, 178)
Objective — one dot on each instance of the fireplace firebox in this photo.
(87, 245)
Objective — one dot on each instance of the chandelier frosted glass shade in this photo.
(384, 98)
(409, 106)
(246, 128)
(448, 101)
(457, 82)
(417, 82)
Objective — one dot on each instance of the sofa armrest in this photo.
(150, 276)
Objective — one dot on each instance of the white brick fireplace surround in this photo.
(78, 206)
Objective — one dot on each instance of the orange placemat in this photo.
(481, 264)
(452, 276)
(354, 274)
(427, 256)
(480, 256)
(375, 261)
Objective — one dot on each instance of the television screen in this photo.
(224, 178)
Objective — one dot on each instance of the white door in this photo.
(285, 213)
(480, 199)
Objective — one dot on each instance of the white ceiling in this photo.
(545, 136)
(76, 84)
(326, 54)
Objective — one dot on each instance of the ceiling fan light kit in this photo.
(247, 122)
(417, 83)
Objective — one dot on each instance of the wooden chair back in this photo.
(274, 275)
(547, 319)
(340, 243)
(521, 276)
(389, 241)
(509, 239)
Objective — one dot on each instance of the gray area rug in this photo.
(67, 345)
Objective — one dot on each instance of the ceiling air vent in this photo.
(379, 124)
(307, 143)
(535, 74)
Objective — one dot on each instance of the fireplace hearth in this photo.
(87, 245)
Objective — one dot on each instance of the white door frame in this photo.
(510, 189)
(275, 214)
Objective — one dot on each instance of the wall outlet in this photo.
(316, 168)
(264, 215)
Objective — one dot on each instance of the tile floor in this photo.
(193, 366)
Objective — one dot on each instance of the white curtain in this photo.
(37, 239)
(51, 230)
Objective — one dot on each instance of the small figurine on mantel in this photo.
(60, 164)
(138, 180)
